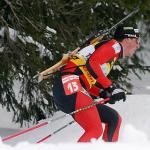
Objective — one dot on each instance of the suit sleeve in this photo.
(99, 59)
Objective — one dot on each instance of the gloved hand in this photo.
(114, 93)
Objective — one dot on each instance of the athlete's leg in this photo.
(88, 119)
(112, 122)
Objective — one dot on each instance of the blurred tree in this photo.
(33, 36)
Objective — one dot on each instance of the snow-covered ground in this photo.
(134, 133)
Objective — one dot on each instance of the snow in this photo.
(141, 86)
(1, 36)
(51, 30)
(135, 133)
(13, 34)
(1, 49)
(41, 48)
(62, 146)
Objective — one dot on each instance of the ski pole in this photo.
(24, 131)
(52, 120)
(45, 138)
(79, 110)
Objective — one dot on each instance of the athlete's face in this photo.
(132, 44)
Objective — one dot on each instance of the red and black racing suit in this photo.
(71, 92)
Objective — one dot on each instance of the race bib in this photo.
(71, 84)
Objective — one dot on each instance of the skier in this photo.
(85, 77)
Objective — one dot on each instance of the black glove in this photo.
(114, 93)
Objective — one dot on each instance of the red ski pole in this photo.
(25, 131)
